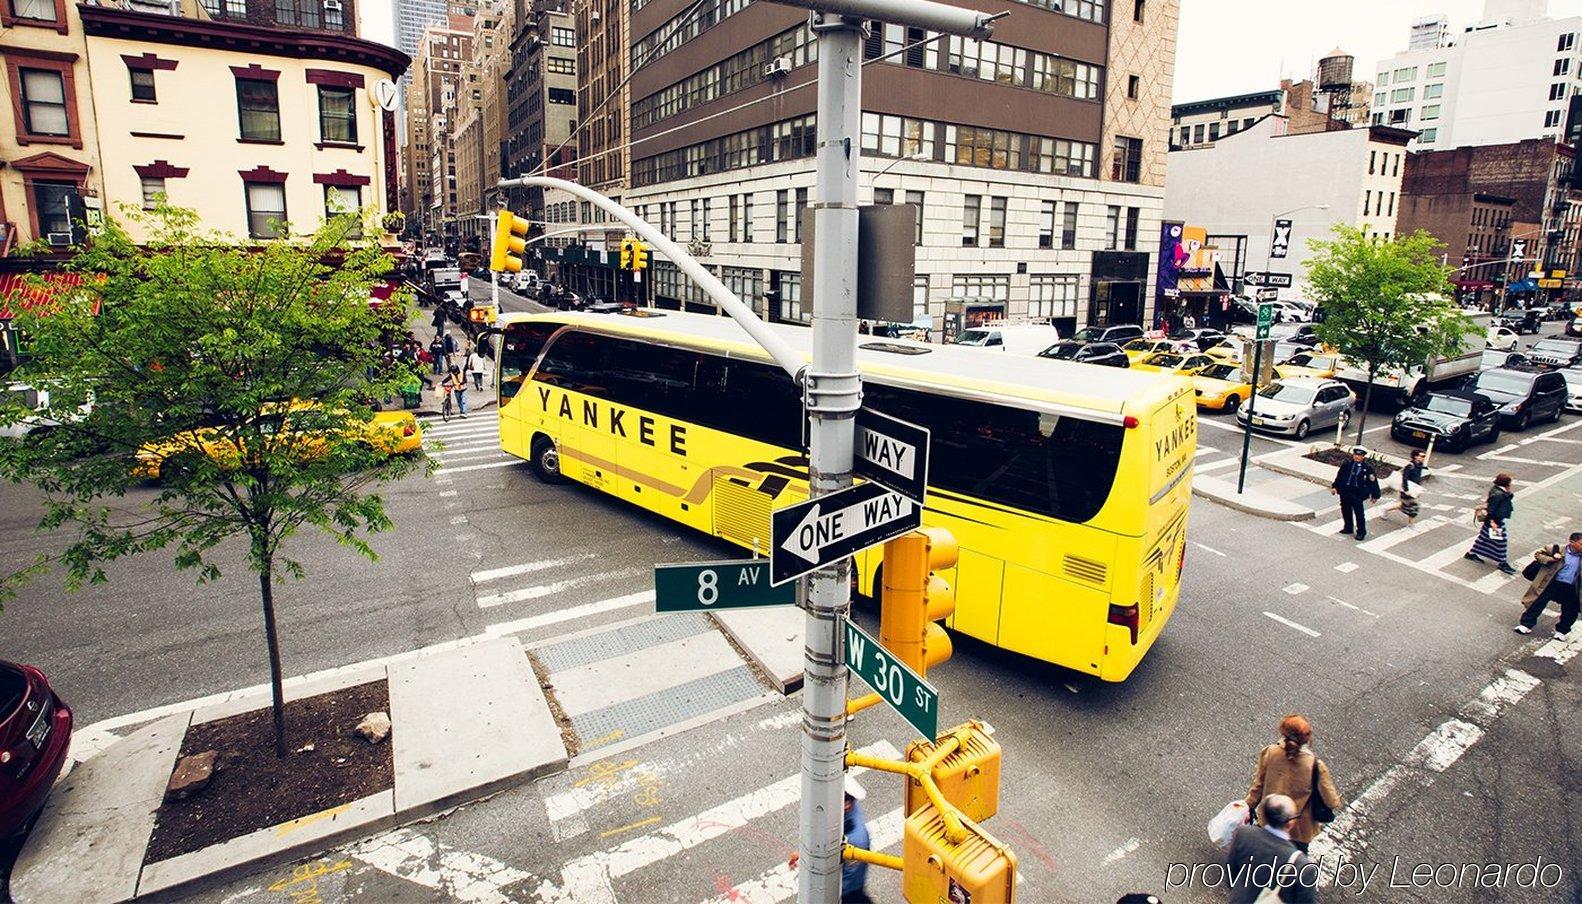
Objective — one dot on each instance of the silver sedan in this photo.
(1295, 407)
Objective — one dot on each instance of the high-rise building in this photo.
(1511, 76)
(481, 119)
(1429, 32)
(1034, 159)
(542, 97)
(412, 16)
(432, 103)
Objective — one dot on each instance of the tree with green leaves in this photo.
(246, 377)
(1385, 303)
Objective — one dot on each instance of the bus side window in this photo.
(519, 348)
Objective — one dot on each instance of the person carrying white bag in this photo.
(1225, 823)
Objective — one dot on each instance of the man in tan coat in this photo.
(1288, 768)
(1559, 576)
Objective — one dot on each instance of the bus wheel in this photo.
(546, 461)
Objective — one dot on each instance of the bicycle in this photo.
(445, 408)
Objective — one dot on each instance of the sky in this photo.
(374, 21)
(1228, 47)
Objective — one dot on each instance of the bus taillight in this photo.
(1129, 422)
(1126, 617)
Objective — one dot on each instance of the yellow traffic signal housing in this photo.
(914, 598)
(510, 243)
(639, 255)
(626, 253)
(482, 314)
(935, 869)
(968, 777)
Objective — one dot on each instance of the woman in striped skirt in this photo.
(1493, 539)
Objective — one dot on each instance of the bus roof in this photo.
(983, 374)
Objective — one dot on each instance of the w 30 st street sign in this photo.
(809, 535)
(905, 691)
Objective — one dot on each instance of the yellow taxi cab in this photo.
(1227, 350)
(1138, 349)
(1221, 387)
(390, 433)
(1320, 364)
(1182, 365)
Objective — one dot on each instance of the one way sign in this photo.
(892, 452)
(809, 535)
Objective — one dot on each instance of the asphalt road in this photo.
(1104, 787)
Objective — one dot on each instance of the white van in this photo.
(1016, 338)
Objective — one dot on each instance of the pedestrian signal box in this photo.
(968, 777)
(915, 597)
(978, 870)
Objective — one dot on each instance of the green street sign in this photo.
(906, 692)
(701, 586)
(1265, 319)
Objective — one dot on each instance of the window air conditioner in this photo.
(779, 66)
(593, 15)
(332, 6)
(60, 239)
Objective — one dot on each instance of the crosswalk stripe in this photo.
(509, 571)
(780, 883)
(533, 622)
(1216, 465)
(492, 464)
(1402, 534)
(587, 879)
(457, 875)
(520, 594)
(462, 436)
(446, 457)
(473, 420)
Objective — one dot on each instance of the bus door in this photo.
(577, 412)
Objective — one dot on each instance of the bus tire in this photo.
(546, 460)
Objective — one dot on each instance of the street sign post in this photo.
(1265, 278)
(893, 680)
(1267, 294)
(703, 586)
(809, 535)
(1280, 242)
(892, 452)
(1265, 320)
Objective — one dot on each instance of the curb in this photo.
(1315, 472)
(1253, 502)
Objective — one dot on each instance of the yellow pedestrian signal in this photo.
(639, 255)
(978, 868)
(967, 776)
(915, 597)
(626, 253)
(510, 242)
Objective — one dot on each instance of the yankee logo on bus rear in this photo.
(602, 415)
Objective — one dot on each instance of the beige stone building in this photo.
(481, 125)
(430, 155)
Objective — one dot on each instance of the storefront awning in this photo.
(20, 292)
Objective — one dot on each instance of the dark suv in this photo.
(1555, 352)
(1117, 334)
(1525, 396)
(1106, 353)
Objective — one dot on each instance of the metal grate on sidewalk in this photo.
(568, 654)
(638, 717)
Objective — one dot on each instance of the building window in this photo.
(1367, 202)
(153, 191)
(338, 114)
(44, 102)
(1552, 119)
(1408, 74)
(791, 298)
(1433, 91)
(747, 217)
(706, 218)
(801, 205)
(1396, 171)
(37, 10)
(1402, 95)
(1435, 70)
(1429, 112)
(1052, 295)
(1566, 42)
(896, 136)
(1557, 91)
(1383, 79)
(1213, 131)
(266, 208)
(1046, 224)
(1379, 98)
(997, 222)
(1400, 117)
(1186, 135)
(51, 202)
(919, 297)
(332, 19)
(692, 216)
(1391, 211)
(1128, 163)
(563, 96)
(1138, 8)
(1134, 86)
(291, 12)
(1112, 228)
(1133, 214)
(970, 215)
(143, 86)
(782, 216)
(732, 210)
(561, 66)
(1373, 157)
(1563, 66)
(988, 288)
(1068, 226)
(259, 104)
(340, 200)
(1197, 133)
(563, 37)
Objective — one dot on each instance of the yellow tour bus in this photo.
(1066, 485)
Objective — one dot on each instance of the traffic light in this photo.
(626, 253)
(914, 597)
(510, 243)
(968, 776)
(978, 868)
(639, 255)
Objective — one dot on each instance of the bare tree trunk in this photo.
(1367, 400)
(266, 589)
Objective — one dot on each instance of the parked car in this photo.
(35, 733)
(1201, 339)
(1117, 333)
(1221, 387)
(1288, 312)
(1309, 364)
(1556, 351)
(35, 399)
(1016, 338)
(1138, 349)
(1522, 320)
(1297, 407)
(389, 433)
(1503, 338)
(1559, 310)
(1573, 378)
(1176, 363)
(1453, 419)
(1525, 396)
(1574, 327)
(1496, 358)
(1106, 353)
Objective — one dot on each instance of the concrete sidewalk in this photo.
(467, 722)
(1284, 485)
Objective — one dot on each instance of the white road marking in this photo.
(1119, 854)
(489, 601)
(1238, 429)
(1493, 581)
(457, 875)
(1402, 534)
(446, 494)
(511, 571)
(449, 453)
(1346, 567)
(1294, 589)
(588, 879)
(1291, 624)
(1208, 549)
(1556, 524)
(1354, 608)
(476, 435)
(458, 519)
(493, 464)
(1216, 465)
(1531, 461)
(642, 597)
(1508, 447)
(780, 883)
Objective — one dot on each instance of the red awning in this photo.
(17, 292)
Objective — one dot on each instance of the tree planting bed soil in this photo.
(252, 789)
(1336, 456)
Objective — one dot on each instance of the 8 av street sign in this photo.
(699, 586)
(809, 535)
(892, 452)
(905, 691)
